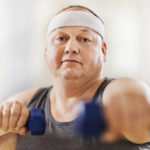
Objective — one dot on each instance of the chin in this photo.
(71, 78)
(71, 75)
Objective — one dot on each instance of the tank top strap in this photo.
(99, 93)
(38, 100)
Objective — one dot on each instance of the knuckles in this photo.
(11, 113)
(5, 112)
(25, 112)
(15, 113)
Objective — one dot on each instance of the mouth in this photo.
(70, 61)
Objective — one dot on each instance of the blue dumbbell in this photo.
(36, 122)
(90, 122)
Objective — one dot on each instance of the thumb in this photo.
(22, 131)
(110, 136)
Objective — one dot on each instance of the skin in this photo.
(127, 108)
(75, 57)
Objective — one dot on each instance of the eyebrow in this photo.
(84, 30)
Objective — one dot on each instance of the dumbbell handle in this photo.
(36, 122)
(90, 122)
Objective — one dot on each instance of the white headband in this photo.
(77, 18)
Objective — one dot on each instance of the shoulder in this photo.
(24, 96)
(127, 85)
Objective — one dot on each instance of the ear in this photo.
(104, 50)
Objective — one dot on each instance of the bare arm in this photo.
(127, 105)
(23, 97)
(14, 113)
(8, 141)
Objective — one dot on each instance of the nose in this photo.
(72, 47)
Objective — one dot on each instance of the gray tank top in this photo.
(60, 135)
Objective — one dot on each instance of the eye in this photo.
(85, 39)
(61, 38)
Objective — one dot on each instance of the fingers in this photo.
(1, 108)
(14, 115)
(23, 118)
(5, 116)
(22, 131)
(110, 135)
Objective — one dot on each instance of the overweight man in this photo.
(75, 52)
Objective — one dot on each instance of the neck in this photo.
(64, 90)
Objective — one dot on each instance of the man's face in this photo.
(74, 52)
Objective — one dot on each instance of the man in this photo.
(75, 53)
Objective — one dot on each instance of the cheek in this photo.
(93, 57)
(54, 58)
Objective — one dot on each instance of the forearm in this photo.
(23, 97)
(8, 141)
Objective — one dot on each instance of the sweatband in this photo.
(77, 18)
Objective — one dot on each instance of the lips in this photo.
(71, 60)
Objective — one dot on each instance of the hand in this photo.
(13, 117)
(127, 110)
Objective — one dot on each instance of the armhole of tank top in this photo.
(99, 93)
(38, 100)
